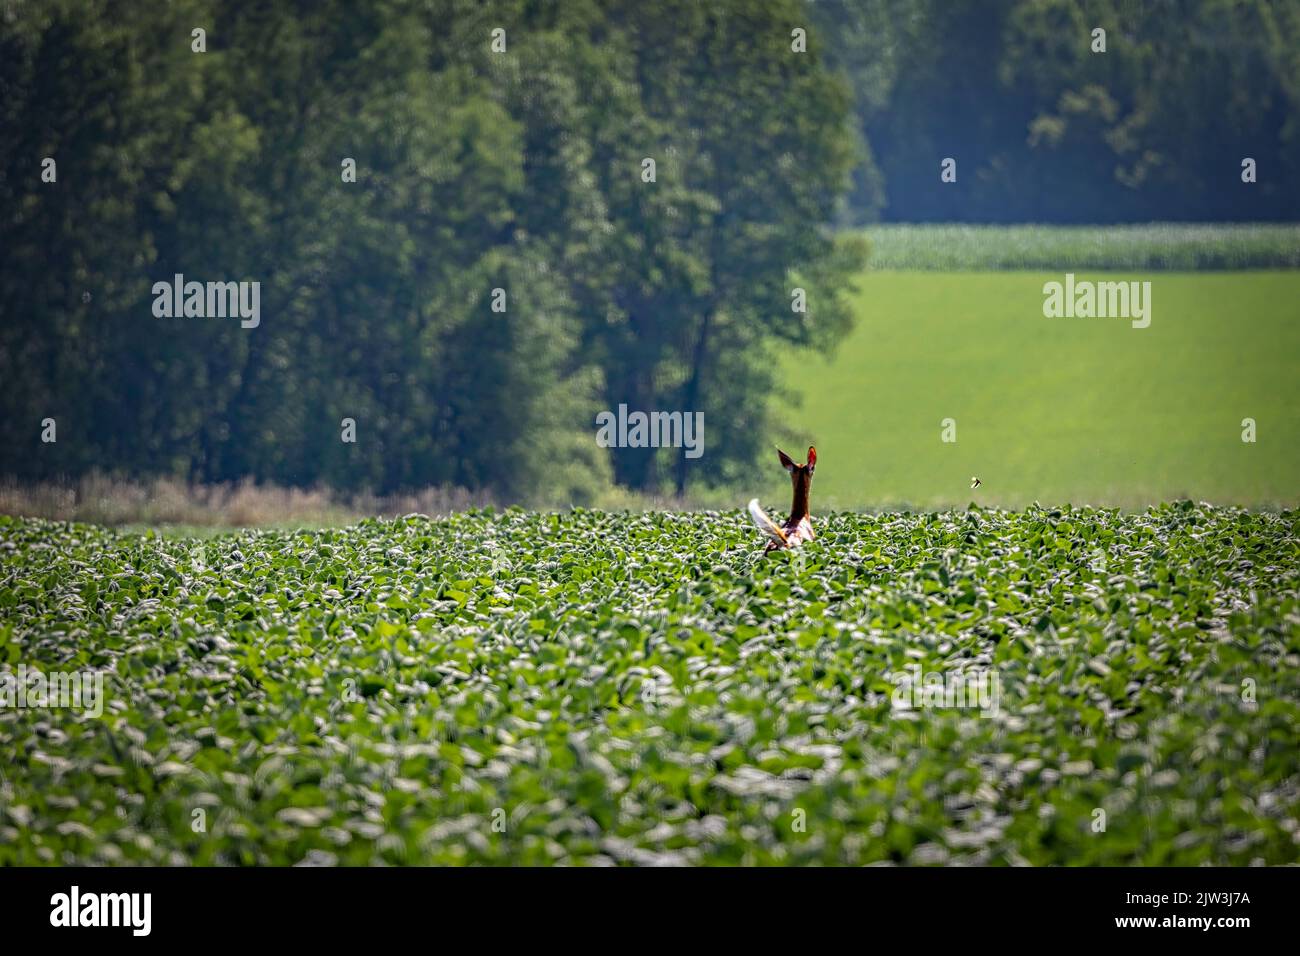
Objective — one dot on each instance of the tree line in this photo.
(1072, 111)
(476, 226)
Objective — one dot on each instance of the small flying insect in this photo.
(975, 482)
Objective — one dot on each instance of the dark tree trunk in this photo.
(691, 394)
(635, 467)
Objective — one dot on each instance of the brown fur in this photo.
(798, 527)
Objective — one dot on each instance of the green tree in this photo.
(684, 282)
(373, 294)
(477, 170)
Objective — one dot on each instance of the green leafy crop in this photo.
(591, 687)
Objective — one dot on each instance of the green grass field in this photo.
(1083, 410)
(611, 688)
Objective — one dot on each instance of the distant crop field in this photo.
(1058, 686)
(1186, 247)
(1056, 410)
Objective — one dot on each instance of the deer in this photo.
(798, 527)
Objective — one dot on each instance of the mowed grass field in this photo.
(1177, 246)
(596, 689)
(1056, 410)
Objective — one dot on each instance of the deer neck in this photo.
(799, 506)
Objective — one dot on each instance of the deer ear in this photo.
(786, 463)
(812, 458)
